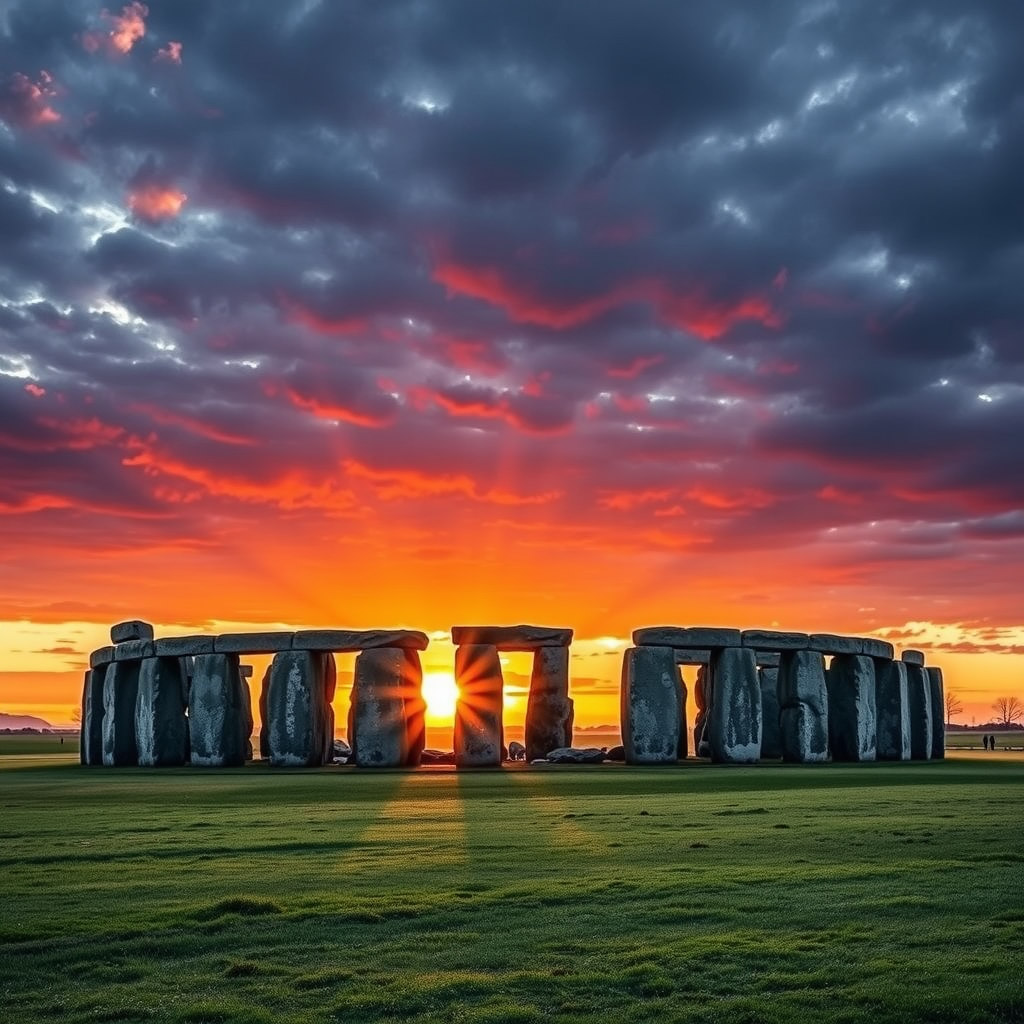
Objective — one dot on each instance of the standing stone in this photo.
(919, 705)
(220, 725)
(803, 707)
(852, 718)
(683, 747)
(297, 707)
(701, 746)
(771, 734)
(161, 728)
(90, 746)
(379, 727)
(938, 697)
(478, 712)
(549, 711)
(893, 712)
(264, 716)
(120, 691)
(415, 708)
(734, 714)
(650, 705)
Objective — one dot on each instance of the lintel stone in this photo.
(512, 638)
(774, 640)
(130, 650)
(133, 629)
(912, 657)
(831, 643)
(355, 640)
(253, 643)
(877, 648)
(183, 646)
(686, 637)
(101, 656)
(693, 656)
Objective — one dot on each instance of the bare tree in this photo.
(1009, 709)
(953, 707)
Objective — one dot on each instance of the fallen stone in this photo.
(852, 714)
(348, 641)
(767, 659)
(830, 643)
(341, 749)
(540, 760)
(429, 756)
(511, 638)
(650, 710)
(101, 657)
(120, 691)
(734, 712)
(919, 707)
(695, 637)
(877, 648)
(692, 657)
(912, 658)
(771, 733)
(161, 728)
(478, 712)
(774, 640)
(892, 705)
(220, 725)
(516, 751)
(803, 707)
(252, 643)
(938, 700)
(415, 708)
(183, 646)
(134, 650)
(133, 629)
(617, 753)
(297, 709)
(90, 747)
(549, 722)
(576, 755)
(379, 731)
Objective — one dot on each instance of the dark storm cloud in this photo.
(755, 271)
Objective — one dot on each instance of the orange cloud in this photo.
(333, 411)
(171, 53)
(127, 28)
(156, 202)
(26, 103)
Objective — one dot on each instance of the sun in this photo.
(440, 693)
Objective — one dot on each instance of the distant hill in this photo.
(22, 722)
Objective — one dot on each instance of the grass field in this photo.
(870, 893)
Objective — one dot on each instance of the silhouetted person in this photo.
(984, 741)
(992, 742)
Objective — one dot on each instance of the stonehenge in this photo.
(760, 694)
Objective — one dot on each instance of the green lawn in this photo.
(37, 743)
(873, 893)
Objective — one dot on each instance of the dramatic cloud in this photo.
(592, 312)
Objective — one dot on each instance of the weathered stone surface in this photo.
(133, 629)
(575, 755)
(297, 709)
(247, 719)
(683, 746)
(912, 658)
(415, 708)
(379, 728)
(430, 756)
(767, 659)
(161, 728)
(694, 656)
(938, 697)
(616, 753)
(220, 724)
(120, 690)
(771, 733)
(919, 704)
(831, 643)
(183, 646)
(734, 712)
(90, 747)
(253, 643)
(852, 716)
(774, 640)
(478, 713)
(876, 648)
(695, 637)
(101, 657)
(341, 749)
(550, 672)
(803, 707)
(355, 640)
(134, 650)
(516, 751)
(512, 638)
(264, 719)
(701, 746)
(549, 720)
(891, 701)
(650, 705)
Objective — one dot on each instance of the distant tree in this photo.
(1008, 710)
(953, 707)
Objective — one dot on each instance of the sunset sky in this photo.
(593, 314)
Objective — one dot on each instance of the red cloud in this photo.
(297, 313)
(635, 367)
(523, 410)
(127, 28)
(35, 390)
(25, 103)
(329, 410)
(156, 202)
(192, 424)
(171, 53)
